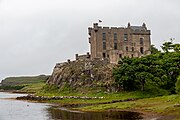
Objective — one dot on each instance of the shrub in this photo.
(178, 85)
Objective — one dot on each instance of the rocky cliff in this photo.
(83, 74)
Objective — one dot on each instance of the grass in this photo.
(31, 84)
(164, 105)
(32, 88)
(10, 81)
(149, 101)
(108, 97)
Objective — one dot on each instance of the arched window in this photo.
(133, 49)
(141, 41)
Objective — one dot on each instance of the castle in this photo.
(108, 45)
(117, 42)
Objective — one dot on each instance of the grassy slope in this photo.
(147, 102)
(24, 84)
(164, 105)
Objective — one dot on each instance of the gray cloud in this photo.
(35, 34)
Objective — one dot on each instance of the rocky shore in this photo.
(41, 98)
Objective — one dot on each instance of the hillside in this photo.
(24, 83)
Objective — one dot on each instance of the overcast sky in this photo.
(36, 34)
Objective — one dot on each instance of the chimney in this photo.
(144, 25)
(77, 57)
(129, 25)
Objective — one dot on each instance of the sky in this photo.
(37, 34)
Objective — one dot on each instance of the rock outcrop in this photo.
(83, 74)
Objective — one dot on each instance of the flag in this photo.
(100, 20)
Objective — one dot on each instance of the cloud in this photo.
(35, 34)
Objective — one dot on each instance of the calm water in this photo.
(22, 110)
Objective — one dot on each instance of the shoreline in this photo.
(69, 107)
(146, 114)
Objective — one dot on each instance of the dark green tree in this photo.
(167, 46)
(157, 70)
(154, 50)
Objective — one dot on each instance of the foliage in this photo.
(159, 70)
(178, 85)
(154, 50)
(167, 46)
(15, 87)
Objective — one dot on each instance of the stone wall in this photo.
(116, 44)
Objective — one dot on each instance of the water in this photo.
(21, 110)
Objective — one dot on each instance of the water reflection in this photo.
(59, 114)
(11, 109)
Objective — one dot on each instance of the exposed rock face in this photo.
(83, 74)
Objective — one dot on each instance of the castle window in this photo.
(125, 37)
(107, 55)
(104, 36)
(141, 41)
(132, 56)
(141, 50)
(115, 37)
(132, 48)
(104, 40)
(104, 45)
(115, 46)
(126, 48)
(120, 55)
(104, 55)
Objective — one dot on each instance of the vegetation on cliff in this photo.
(153, 72)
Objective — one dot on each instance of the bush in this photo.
(15, 87)
(178, 85)
(155, 91)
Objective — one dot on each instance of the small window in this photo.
(141, 50)
(104, 36)
(120, 55)
(107, 55)
(141, 41)
(115, 36)
(132, 56)
(104, 55)
(126, 48)
(125, 37)
(104, 45)
(115, 46)
(133, 49)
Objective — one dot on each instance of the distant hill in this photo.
(10, 81)
(17, 83)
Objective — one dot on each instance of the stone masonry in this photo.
(117, 42)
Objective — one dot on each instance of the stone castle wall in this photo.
(115, 43)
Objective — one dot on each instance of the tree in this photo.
(178, 85)
(158, 70)
(154, 50)
(166, 46)
(176, 47)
